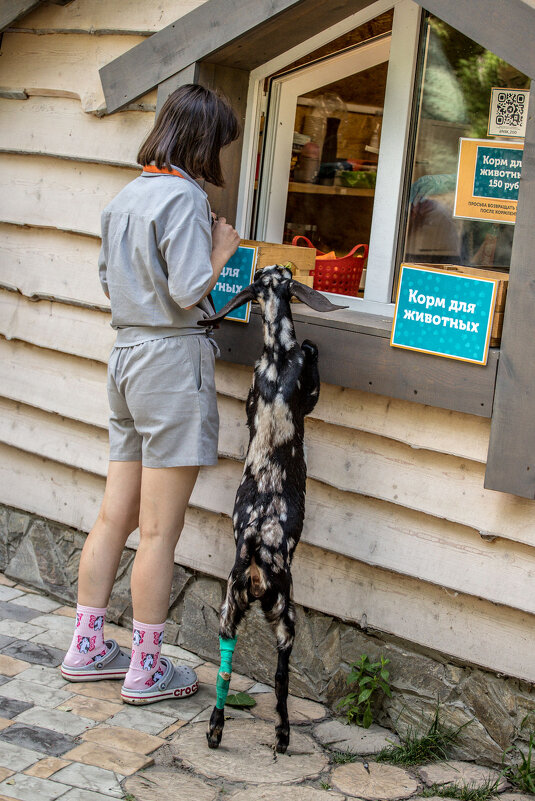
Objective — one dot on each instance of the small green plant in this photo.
(414, 748)
(464, 792)
(325, 786)
(522, 773)
(341, 757)
(371, 679)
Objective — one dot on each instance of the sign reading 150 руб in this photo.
(443, 313)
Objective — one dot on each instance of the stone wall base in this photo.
(45, 555)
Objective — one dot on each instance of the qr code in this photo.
(510, 108)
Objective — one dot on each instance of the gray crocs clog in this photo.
(114, 665)
(177, 682)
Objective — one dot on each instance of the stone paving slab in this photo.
(37, 654)
(6, 582)
(299, 709)
(10, 666)
(92, 708)
(37, 738)
(246, 753)
(159, 784)
(4, 773)
(8, 593)
(5, 640)
(354, 739)
(103, 690)
(127, 739)
(76, 794)
(4, 723)
(37, 602)
(20, 630)
(53, 719)
(66, 611)
(30, 788)
(9, 610)
(39, 674)
(286, 793)
(4, 679)
(91, 778)
(52, 622)
(36, 693)
(11, 707)
(453, 772)
(14, 757)
(46, 767)
(386, 782)
(104, 756)
(181, 656)
(57, 639)
(207, 674)
(260, 688)
(140, 718)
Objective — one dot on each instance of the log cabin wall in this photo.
(399, 530)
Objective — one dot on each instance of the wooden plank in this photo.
(55, 193)
(65, 385)
(356, 360)
(373, 532)
(207, 29)
(511, 459)
(468, 628)
(66, 131)
(506, 27)
(428, 427)
(41, 262)
(234, 84)
(68, 329)
(12, 10)
(54, 437)
(97, 17)
(61, 64)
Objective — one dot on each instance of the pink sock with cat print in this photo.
(88, 641)
(145, 667)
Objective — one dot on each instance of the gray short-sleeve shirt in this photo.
(155, 258)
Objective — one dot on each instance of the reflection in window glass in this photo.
(454, 102)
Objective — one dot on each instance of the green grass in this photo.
(522, 774)
(325, 786)
(342, 757)
(416, 748)
(464, 792)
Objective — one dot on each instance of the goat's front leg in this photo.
(310, 377)
(231, 613)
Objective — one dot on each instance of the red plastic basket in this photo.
(341, 275)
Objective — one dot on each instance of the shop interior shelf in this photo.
(318, 189)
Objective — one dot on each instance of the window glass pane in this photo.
(453, 102)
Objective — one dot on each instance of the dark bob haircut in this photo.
(192, 127)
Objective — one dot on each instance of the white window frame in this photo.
(394, 139)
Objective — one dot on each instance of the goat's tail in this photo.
(257, 578)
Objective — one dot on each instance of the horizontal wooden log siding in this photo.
(471, 629)
(390, 555)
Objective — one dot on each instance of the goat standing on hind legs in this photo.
(270, 502)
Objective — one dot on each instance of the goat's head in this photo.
(271, 286)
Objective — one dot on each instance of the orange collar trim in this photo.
(152, 168)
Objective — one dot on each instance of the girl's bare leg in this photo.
(165, 494)
(117, 518)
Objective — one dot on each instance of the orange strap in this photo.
(152, 168)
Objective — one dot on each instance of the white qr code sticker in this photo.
(508, 112)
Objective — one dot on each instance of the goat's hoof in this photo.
(310, 349)
(214, 738)
(281, 743)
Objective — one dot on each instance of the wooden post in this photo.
(511, 457)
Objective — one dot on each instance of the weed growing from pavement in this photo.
(371, 680)
(522, 773)
(342, 757)
(464, 792)
(417, 748)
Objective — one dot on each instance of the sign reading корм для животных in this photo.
(443, 313)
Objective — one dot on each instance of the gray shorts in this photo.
(163, 402)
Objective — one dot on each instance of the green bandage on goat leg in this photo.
(226, 648)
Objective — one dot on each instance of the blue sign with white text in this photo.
(235, 276)
(444, 313)
(497, 172)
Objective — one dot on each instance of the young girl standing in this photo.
(162, 252)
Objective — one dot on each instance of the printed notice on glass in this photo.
(488, 178)
(444, 314)
(237, 273)
(508, 112)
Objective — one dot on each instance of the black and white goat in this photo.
(270, 502)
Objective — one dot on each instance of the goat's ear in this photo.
(314, 299)
(242, 297)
